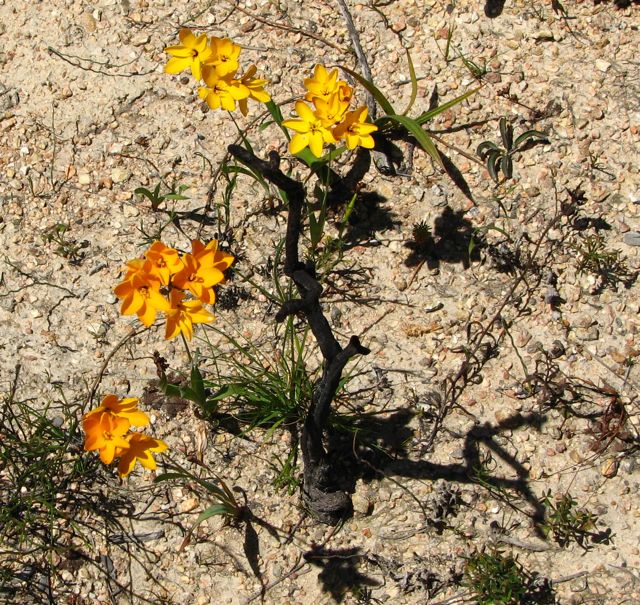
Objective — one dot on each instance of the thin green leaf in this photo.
(428, 115)
(197, 383)
(176, 196)
(420, 135)
(170, 476)
(168, 388)
(276, 114)
(485, 147)
(377, 94)
(414, 84)
(529, 134)
(506, 165)
(493, 160)
(215, 509)
(143, 191)
(230, 495)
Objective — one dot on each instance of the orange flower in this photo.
(123, 408)
(309, 130)
(139, 448)
(202, 270)
(184, 314)
(256, 89)
(165, 262)
(105, 432)
(322, 84)
(221, 91)
(355, 130)
(140, 292)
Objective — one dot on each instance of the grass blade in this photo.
(428, 115)
(377, 94)
(414, 84)
(420, 135)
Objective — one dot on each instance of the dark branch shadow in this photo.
(451, 242)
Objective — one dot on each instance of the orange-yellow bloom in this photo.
(139, 448)
(183, 314)
(355, 130)
(256, 89)
(221, 91)
(105, 432)
(123, 408)
(322, 84)
(191, 54)
(309, 131)
(210, 256)
(330, 110)
(224, 56)
(165, 262)
(198, 278)
(140, 292)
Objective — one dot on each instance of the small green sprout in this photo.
(66, 247)
(501, 158)
(156, 198)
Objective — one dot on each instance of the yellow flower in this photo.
(355, 130)
(191, 54)
(224, 56)
(105, 432)
(330, 110)
(165, 262)
(140, 292)
(184, 314)
(322, 84)
(123, 408)
(221, 91)
(309, 131)
(139, 448)
(256, 89)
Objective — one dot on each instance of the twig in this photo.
(362, 58)
(298, 565)
(290, 28)
(108, 358)
(77, 62)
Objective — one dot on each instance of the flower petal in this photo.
(177, 64)
(298, 143)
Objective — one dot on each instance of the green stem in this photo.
(186, 347)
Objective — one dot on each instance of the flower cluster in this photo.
(215, 62)
(107, 429)
(329, 121)
(178, 286)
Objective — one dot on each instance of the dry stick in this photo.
(325, 502)
(297, 566)
(382, 161)
(109, 357)
(289, 28)
(362, 58)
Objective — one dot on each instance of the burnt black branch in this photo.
(324, 500)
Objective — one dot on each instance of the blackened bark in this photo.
(320, 494)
